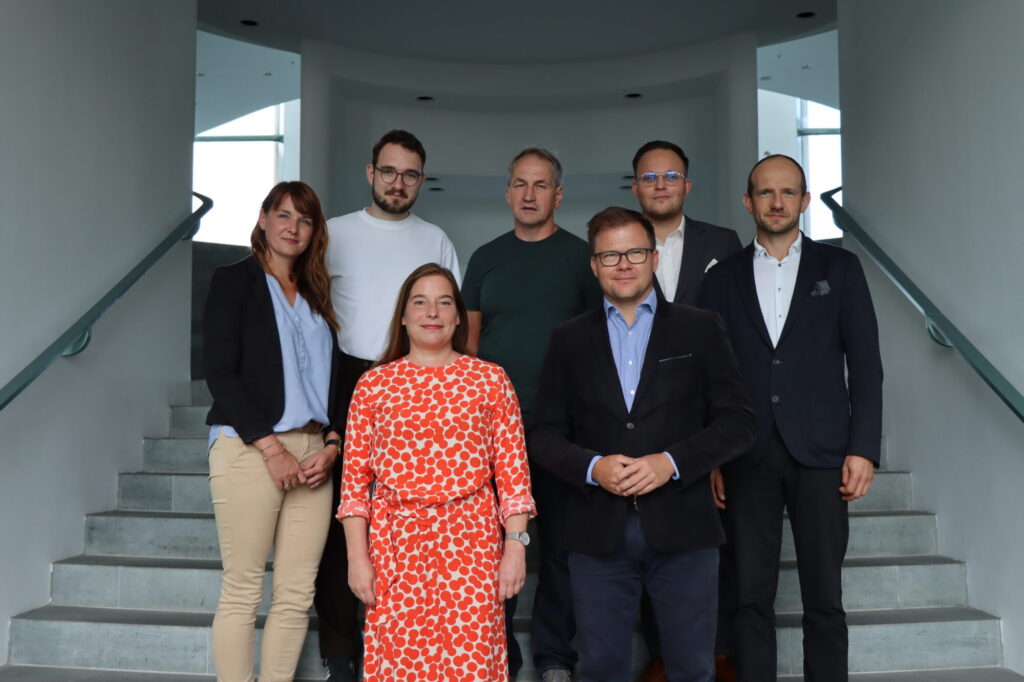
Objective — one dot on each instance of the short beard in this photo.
(399, 207)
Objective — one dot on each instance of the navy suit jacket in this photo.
(822, 384)
(702, 243)
(690, 401)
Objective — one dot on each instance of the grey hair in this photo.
(540, 152)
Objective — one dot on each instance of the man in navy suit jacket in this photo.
(687, 248)
(801, 321)
(638, 401)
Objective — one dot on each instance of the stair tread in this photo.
(34, 673)
(933, 614)
(150, 514)
(134, 617)
(951, 675)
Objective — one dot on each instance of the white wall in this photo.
(484, 114)
(932, 108)
(95, 157)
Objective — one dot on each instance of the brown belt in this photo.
(310, 427)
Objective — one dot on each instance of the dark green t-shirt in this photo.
(524, 290)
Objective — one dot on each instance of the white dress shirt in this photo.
(670, 259)
(775, 280)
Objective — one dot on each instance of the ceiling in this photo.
(524, 32)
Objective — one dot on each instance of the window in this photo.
(821, 156)
(236, 164)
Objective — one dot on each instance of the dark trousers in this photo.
(820, 523)
(683, 588)
(336, 607)
(725, 640)
(553, 621)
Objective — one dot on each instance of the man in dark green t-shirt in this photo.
(518, 288)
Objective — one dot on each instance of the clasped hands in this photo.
(622, 475)
(288, 473)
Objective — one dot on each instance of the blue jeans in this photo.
(683, 588)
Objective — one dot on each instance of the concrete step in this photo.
(157, 641)
(905, 639)
(189, 421)
(34, 673)
(886, 582)
(193, 535)
(175, 455)
(874, 534)
(960, 675)
(890, 491)
(179, 492)
(199, 394)
(151, 534)
(164, 584)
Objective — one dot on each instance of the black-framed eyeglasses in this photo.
(671, 177)
(610, 259)
(388, 175)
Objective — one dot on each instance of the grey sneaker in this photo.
(556, 675)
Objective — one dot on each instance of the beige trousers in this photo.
(252, 517)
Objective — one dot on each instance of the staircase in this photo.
(137, 606)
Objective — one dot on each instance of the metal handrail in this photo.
(939, 327)
(78, 335)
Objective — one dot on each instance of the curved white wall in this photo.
(932, 103)
(95, 156)
(703, 97)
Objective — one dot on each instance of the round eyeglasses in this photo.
(388, 175)
(670, 177)
(610, 259)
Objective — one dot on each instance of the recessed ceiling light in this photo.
(249, 22)
(267, 73)
(425, 98)
(432, 178)
(436, 189)
(805, 67)
(625, 186)
(766, 78)
(628, 177)
(200, 74)
(805, 15)
(633, 95)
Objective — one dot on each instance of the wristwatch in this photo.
(522, 537)
(333, 441)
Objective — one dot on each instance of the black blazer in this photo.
(702, 243)
(242, 354)
(690, 402)
(802, 385)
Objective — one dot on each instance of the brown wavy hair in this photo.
(310, 270)
(398, 337)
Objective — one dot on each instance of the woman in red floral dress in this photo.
(429, 429)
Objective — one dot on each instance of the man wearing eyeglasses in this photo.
(369, 255)
(638, 401)
(687, 248)
(510, 323)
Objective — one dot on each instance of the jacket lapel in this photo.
(607, 376)
(657, 348)
(804, 281)
(692, 266)
(748, 291)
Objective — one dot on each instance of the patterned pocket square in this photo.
(821, 288)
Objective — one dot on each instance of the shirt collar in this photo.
(648, 305)
(678, 231)
(794, 248)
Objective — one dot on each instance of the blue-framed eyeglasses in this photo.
(670, 177)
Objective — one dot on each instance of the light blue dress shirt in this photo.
(629, 346)
(306, 360)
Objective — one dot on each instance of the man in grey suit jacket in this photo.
(687, 248)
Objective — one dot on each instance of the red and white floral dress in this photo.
(430, 440)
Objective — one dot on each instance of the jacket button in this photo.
(776, 362)
(630, 425)
(776, 398)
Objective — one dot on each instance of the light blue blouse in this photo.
(306, 359)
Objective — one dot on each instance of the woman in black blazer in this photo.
(271, 360)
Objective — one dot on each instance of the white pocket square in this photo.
(713, 263)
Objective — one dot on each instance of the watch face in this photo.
(522, 537)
